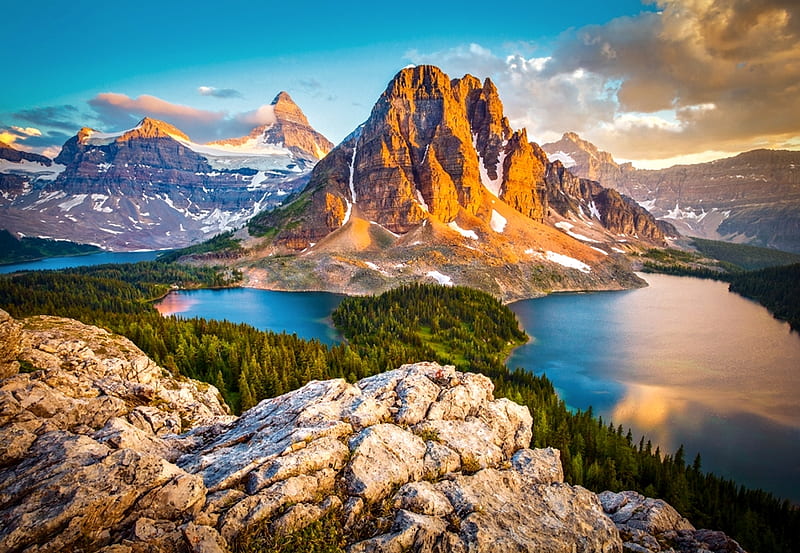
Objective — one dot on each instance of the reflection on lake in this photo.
(306, 314)
(684, 362)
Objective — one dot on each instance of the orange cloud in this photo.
(117, 111)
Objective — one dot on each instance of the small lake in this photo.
(53, 263)
(683, 361)
(306, 314)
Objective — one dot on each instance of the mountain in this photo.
(151, 187)
(18, 169)
(436, 184)
(103, 450)
(753, 197)
(290, 129)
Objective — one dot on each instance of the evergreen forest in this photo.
(459, 326)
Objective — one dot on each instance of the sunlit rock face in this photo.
(753, 197)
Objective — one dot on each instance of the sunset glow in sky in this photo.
(657, 83)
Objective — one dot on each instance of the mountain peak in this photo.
(154, 128)
(282, 97)
(290, 130)
(286, 110)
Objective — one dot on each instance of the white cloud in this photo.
(219, 92)
(27, 131)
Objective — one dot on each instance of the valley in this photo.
(387, 294)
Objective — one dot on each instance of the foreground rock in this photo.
(421, 458)
(652, 525)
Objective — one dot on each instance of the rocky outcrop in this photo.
(152, 187)
(10, 153)
(104, 451)
(651, 525)
(569, 195)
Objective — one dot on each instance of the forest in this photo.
(14, 250)
(459, 326)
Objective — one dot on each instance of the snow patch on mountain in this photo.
(463, 232)
(561, 259)
(567, 227)
(442, 279)
(72, 202)
(252, 154)
(565, 159)
(498, 222)
(31, 169)
(492, 185)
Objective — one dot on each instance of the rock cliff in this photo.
(437, 185)
(101, 450)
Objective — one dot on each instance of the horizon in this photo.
(659, 84)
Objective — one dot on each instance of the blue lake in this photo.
(683, 361)
(52, 263)
(306, 314)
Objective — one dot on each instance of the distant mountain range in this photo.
(151, 187)
(437, 186)
(751, 198)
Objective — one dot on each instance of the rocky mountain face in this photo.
(152, 187)
(438, 165)
(752, 198)
(102, 450)
(18, 169)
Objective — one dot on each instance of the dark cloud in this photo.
(219, 92)
(48, 139)
(66, 117)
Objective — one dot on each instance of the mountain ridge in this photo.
(752, 197)
(152, 187)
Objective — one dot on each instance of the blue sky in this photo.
(645, 81)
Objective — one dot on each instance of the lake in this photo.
(683, 361)
(306, 314)
(52, 263)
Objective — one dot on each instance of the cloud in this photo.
(219, 92)
(30, 138)
(66, 117)
(315, 89)
(27, 131)
(643, 87)
(116, 111)
(8, 137)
